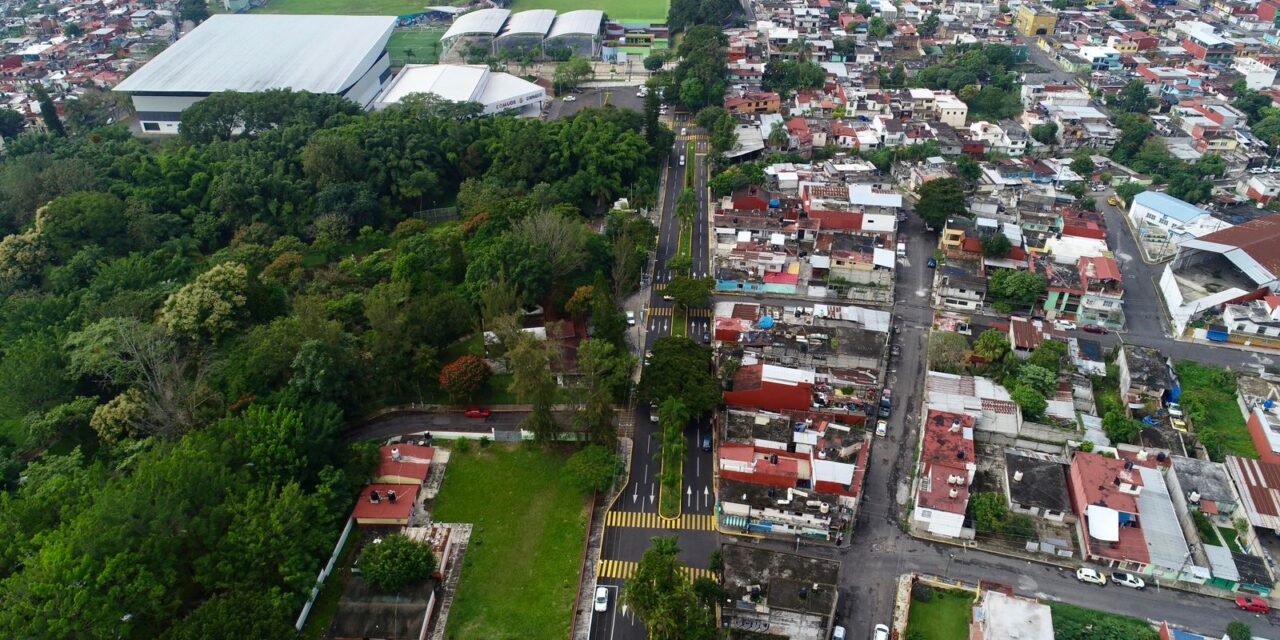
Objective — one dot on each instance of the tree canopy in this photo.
(940, 200)
(681, 369)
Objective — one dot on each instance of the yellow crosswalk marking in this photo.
(660, 312)
(640, 520)
(660, 286)
(624, 569)
(700, 313)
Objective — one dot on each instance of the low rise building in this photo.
(1144, 375)
(791, 595)
(999, 616)
(947, 467)
(1036, 484)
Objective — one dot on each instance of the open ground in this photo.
(520, 573)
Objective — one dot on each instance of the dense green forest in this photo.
(187, 327)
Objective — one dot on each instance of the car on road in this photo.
(1094, 328)
(631, 318)
(1257, 170)
(882, 428)
(648, 355)
(667, 297)
(1256, 605)
(684, 131)
(1085, 574)
(476, 412)
(706, 337)
(682, 160)
(837, 633)
(881, 632)
(570, 98)
(933, 263)
(885, 410)
(1127, 580)
(653, 412)
(602, 599)
(706, 442)
(1113, 201)
(1064, 325)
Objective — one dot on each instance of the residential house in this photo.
(1201, 489)
(988, 402)
(947, 467)
(754, 102)
(404, 463)
(769, 589)
(960, 284)
(386, 505)
(770, 387)
(1036, 20)
(1036, 484)
(1126, 518)
(1145, 375)
(1090, 292)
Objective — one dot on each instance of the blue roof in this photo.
(1170, 206)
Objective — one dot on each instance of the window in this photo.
(386, 73)
(151, 126)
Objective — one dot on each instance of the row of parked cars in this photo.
(1093, 576)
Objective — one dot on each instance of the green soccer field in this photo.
(625, 11)
(344, 7)
(414, 46)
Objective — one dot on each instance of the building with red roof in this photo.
(404, 464)
(770, 387)
(948, 464)
(382, 505)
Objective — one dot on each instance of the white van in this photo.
(902, 249)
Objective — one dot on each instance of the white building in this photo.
(1179, 220)
(1000, 617)
(1257, 75)
(496, 92)
(950, 109)
(340, 55)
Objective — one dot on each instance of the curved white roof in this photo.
(251, 52)
(584, 22)
(533, 22)
(482, 22)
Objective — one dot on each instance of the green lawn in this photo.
(944, 617)
(627, 11)
(520, 573)
(345, 7)
(414, 46)
(1209, 399)
(1077, 623)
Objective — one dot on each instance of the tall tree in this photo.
(49, 112)
(663, 597)
(534, 383)
(603, 373)
(940, 200)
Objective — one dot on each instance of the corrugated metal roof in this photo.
(321, 54)
(532, 22)
(482, 22)
(1254, 247)
(585, 22)
(1170, 206)
(1165, 542)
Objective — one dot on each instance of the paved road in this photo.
(633, 521)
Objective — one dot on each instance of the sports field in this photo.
(343, 7)
(414, 46)
(625, 11)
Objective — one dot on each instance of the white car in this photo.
(1064, 325)
(837, 633)
(602, 599)
(571, 98)
(1128, 580)
(1257, 170)
(881, 632)
(631, 318)
(882, 428)
(684, 131)
(1085, 574)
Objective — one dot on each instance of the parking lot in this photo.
(620, 97)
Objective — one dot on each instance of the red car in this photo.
(476, 412)
(1257, 605)
(1094, 328)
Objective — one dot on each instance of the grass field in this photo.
(1221, 429)
(1072, 623)
(944, 617)
(521, 569)
(627, 11)
(344, 7)
(414, 46)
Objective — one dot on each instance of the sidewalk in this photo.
(595, 542)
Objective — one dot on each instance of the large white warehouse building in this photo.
(341, 55)
(495, 92)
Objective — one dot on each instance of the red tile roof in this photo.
(1259, 238)
(385, 509)
(414, 463)
(946, 453)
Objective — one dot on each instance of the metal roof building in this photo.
(343, 55)
(584, 22)
(536, 22)
(495, 92)
(485, 22)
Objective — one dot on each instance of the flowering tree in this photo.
(464, 377)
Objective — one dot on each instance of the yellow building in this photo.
(1036, 21)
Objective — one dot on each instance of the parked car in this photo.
(1257, 170)
(1127, 580)
(476, 412)
(886, 394)
(602, 599)
(882, 428)
(571, 98)
(1094, 328)
(648, 355)
(885, 410)
(706, 337)
(1256, 605)
(933, 263)
(837, 633)
(1113, 201)
(631, 318)
(1085, 574)
(706, 442)
(1064, 325)
(881, 632)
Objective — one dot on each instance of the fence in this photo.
(441, 214)
(324, 573)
